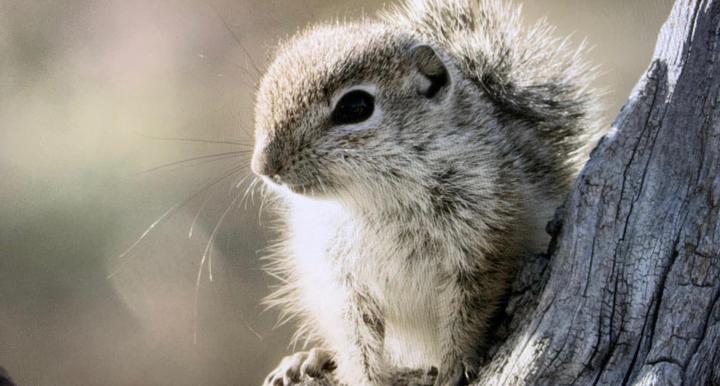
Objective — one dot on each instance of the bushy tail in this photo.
(526, 71)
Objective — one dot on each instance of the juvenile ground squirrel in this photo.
(413, 159)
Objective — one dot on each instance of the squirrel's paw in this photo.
(459, 374)
(314, 364)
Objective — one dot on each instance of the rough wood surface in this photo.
(633, 284)
(633, 292)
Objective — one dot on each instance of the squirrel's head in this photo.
(355, 107)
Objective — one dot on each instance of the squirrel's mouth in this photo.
(303, 189)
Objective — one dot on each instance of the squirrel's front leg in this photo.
(465, 313)
(361, 361)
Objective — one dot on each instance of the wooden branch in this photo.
(632, 291)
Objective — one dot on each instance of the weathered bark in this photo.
(632, 289)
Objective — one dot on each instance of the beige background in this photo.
(81, 82)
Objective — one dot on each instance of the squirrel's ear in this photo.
(433, 73)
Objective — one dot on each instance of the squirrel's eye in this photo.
(355, 106)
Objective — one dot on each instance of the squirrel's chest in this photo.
(405, 283)
(334, 251)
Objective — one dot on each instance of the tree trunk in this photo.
(631, 293)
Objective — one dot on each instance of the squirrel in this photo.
(413, 158)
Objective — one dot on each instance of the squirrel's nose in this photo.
(262, 165)
(264, 162)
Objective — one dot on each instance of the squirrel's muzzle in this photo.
(264, 162)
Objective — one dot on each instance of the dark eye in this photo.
(355, 106)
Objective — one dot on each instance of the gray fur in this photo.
(400, 234)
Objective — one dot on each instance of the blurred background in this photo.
(87, 89)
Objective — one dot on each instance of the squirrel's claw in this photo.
(314, 364)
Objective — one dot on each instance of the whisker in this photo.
(247, 80)
(260, 210)
(252, 191)
(241, 126)
(208, 157)
(264, 196)
(197, 215)
(204, 258)
(187, 139)
(249, 327)
(237, 40)
(237, 184)
(214, 233)
(276, 276)
(211, 243)
(251, 186)
(174, 207)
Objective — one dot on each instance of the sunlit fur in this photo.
(399, 238)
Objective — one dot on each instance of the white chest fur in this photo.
(327, 244)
